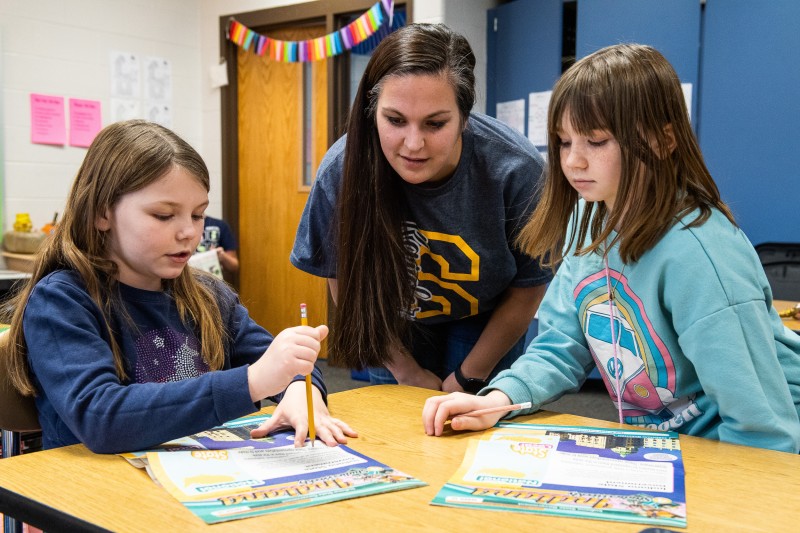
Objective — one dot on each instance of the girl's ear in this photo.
(669, 134)
(102, 222)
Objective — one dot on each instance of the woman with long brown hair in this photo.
(413, 218)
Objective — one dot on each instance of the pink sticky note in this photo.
(84, 121)
(47, 119)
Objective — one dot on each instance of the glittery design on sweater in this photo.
(165, 355)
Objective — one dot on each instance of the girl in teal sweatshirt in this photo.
(656, 285)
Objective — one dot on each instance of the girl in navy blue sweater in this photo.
(122, 345)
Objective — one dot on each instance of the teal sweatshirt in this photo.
(699, 348)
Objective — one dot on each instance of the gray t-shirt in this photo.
(460, 234)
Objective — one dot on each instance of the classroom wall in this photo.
(62, 48)
(471, 22)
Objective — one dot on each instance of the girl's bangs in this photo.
(584, 95)
(584, 110)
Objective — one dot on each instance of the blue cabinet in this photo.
(750, 112)
(523, 46)
(672, 27)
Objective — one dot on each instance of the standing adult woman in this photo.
(413, 216)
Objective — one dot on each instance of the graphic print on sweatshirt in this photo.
(438, 273)
(645, 366)
(165, 355)
(211, 238)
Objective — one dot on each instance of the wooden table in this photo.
(791, 323)
(728, 487)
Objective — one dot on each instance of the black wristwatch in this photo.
(470, 385)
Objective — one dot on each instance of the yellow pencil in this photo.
(312, 432)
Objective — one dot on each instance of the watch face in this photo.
(471, 385)
(474, 385)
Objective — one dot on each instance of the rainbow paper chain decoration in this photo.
(323, 47)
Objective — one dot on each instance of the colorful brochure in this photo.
(222, 474)
(607, 474)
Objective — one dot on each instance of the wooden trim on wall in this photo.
(230, 138)
(332, 12)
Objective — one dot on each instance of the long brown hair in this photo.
(123, 158)
(375, 286)
(631, 91)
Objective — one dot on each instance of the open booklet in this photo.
(607, 474)
(208, 261)
(222, 474)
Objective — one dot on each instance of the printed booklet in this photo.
(222, 474)
(607, 474)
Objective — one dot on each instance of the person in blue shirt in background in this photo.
(656, 287)
(125, 348)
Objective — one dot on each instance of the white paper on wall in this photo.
(512, 113)
(687, 95)
(159, 112)
(218, 75)
(157, 79)
(537, 117)
(125, 109)
(125, 75)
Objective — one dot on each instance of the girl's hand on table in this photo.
(292, 412)
(440, 409)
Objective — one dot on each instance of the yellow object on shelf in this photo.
(23, 239)
(23, 222)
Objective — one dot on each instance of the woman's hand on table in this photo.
(407, 371)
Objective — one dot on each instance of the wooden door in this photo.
(271, 194)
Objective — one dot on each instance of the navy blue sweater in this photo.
(170, 391)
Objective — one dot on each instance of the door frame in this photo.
(330, 12)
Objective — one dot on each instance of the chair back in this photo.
(781, 262)
(17, 412)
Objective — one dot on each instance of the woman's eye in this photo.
(162, 218)
(564, 144)
(198, 217)
(394, 121)
(598, 143)
(436, 125)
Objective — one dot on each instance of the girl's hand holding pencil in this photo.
(292, 352)
(466, 411)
